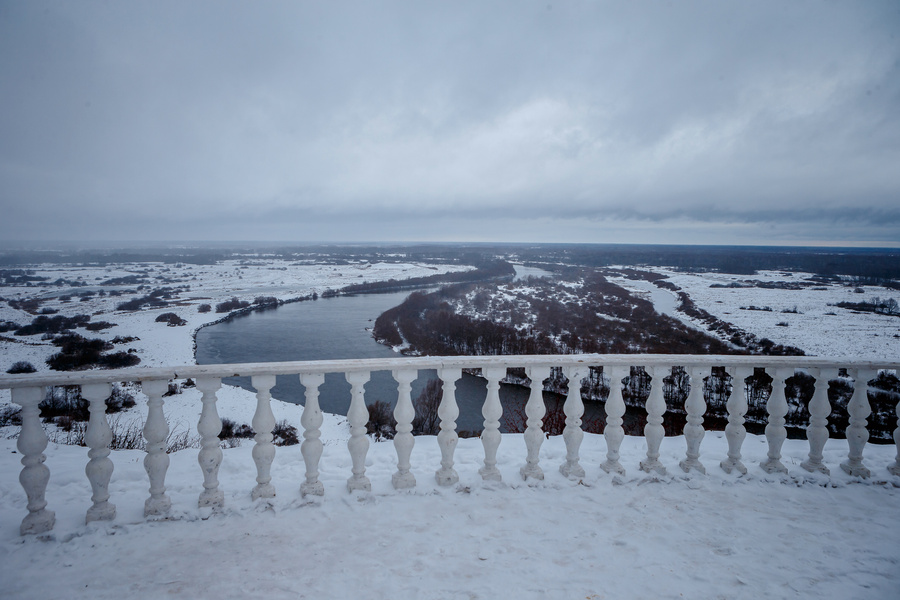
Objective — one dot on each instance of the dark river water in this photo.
(331, 328)
(340, 328)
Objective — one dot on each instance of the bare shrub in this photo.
(71, 437)
(427, 421)
(381, 421)
(285, 434)
(171, 319)
(231, 443)
(22, 366)
(66, 401)
(10, 416)
(229, 305)
(126, 435)
(64, 422)
(266, 301)
(181, 441)
(232, 431)
(78, 352)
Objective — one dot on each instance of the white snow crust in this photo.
(680, 536)
(818, 328)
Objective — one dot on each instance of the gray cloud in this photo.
(703, 122)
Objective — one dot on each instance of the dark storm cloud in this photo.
(699, 121)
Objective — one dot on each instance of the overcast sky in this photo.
(648, 122)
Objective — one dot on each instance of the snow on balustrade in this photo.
(27, 392)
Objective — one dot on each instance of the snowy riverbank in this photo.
(158, 344)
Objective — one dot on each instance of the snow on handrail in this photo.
(435, 362)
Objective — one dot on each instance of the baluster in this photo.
(857, 434)
(358, 416)
(156, 462)
(817, 431)
(263, 424)
(492, 411)
(573, 434)
(895, 468)
(210, 456)
(448, 438)
(534, 436)
(100, 467)
(737, 408)
(403, 439)
(614, 433)
(35, 474)
(311, 448)
(775, 431)
(654, 431)
(693, 430)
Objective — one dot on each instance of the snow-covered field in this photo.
(160, 344)
(680, 536)
(818, 327)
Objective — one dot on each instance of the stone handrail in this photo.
(27, 391)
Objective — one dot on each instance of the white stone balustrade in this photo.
(28, 391)
(492, 411)
(693, 430)
(615, 408)
(358, 444)
(573, 434)
(156, 463)
(210, 455)
(100, 467)
(35, 475)
(534, 436)
(817, 431)
(775, 431)
(404, 413)
(263, 424)
(737, 408)
(895, 468)
(311, 421)
(654, 431)
(857, 434)
(448, 438)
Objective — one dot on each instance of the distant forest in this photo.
(869, 265)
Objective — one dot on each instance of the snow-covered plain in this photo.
(690, 536)
(159, 344)
(818, 327)
(679, 536)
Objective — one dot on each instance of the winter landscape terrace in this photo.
(568, 516)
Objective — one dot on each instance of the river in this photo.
(340, 328)
(335, 328)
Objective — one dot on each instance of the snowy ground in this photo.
(713, 536)
(818, 328)
(697, 536)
